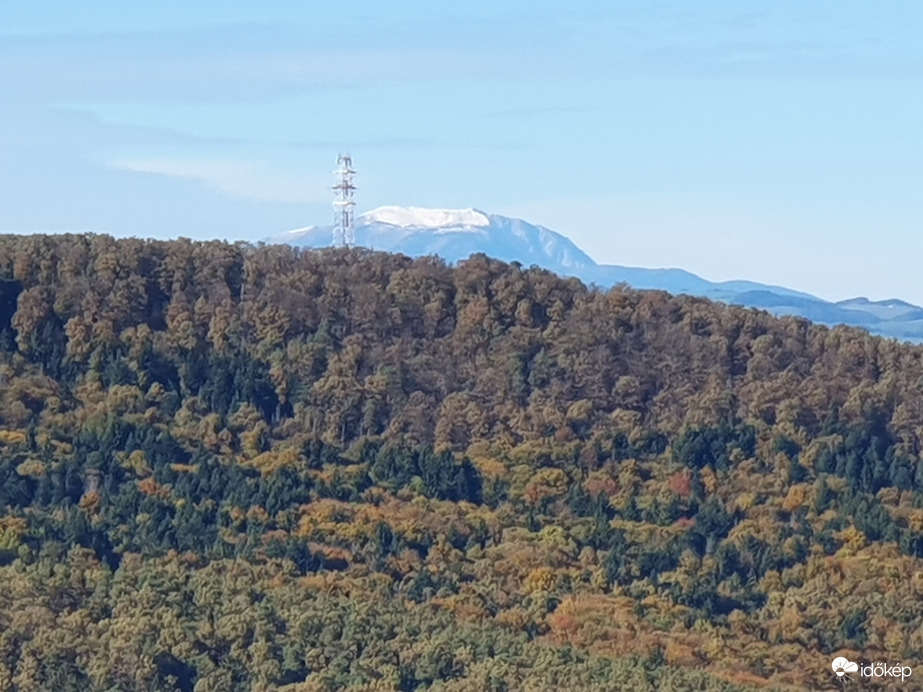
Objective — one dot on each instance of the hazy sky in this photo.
(775, 140)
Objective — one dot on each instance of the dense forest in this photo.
(227, 467)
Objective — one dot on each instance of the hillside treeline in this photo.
(236, 467)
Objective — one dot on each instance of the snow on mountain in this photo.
(422, 218)
(456, 234)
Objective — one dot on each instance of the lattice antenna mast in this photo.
(344, 233)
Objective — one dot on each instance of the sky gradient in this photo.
(775, 141)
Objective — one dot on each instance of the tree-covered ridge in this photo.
(531, 480)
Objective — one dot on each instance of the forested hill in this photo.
(234, 467)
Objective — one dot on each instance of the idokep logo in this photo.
(842, 667)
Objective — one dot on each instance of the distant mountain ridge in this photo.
(456, 234)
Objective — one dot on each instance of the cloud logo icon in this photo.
(841, 666)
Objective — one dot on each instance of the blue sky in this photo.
(776, 141)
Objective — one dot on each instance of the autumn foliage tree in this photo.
(235, 467)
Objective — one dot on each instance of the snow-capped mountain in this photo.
(456, 234)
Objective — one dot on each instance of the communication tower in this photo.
(344, 234)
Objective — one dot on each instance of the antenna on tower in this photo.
(344, 234)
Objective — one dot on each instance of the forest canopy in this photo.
(248, 467)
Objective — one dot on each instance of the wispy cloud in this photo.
(237, 178)
(366, 144)
(213, 67)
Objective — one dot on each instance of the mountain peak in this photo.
(453, 234)
(421, 217)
